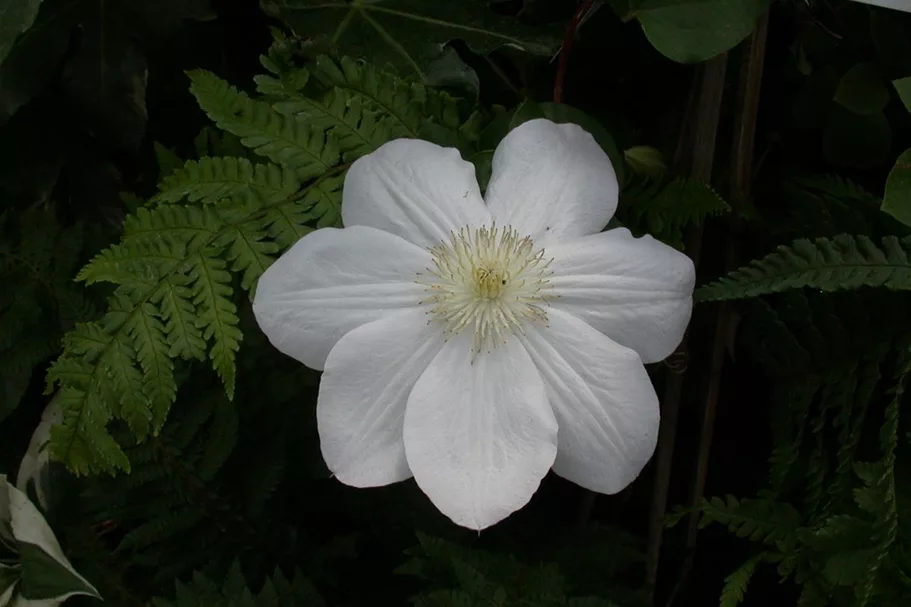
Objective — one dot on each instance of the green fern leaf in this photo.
(127, 382)
(735, 585)
(843, 262)
(288, 223)
(211, 291)
(664, 208)
(152, 352)
(137, 263)
(359, 130)
(186, 229)
(181, 324)
(211, 179)
(757, 519)
(289, 141)
(836, 186)
(325, 201)
(249, 252)
(410, 109)
(165, 526)
(82, 439)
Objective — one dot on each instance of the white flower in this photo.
(476, 343)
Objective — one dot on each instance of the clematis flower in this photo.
(475, 343)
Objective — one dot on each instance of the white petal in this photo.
(551, 181)
(479, 436)
(415, 189)
(332, 281)
(362, 395)
(637, 291)
(605, 404)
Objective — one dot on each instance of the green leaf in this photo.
(689, 31)
(9, 577)
(211, 179)
(286, 140)
(847, 567)
(903, 86)
(6, 534)
(168, 161)
(827, 264)
(16, 16)
(897, 198)
(645, 160)
(735, 585)
(862, 90)
(409, 34)
(211, 293)
(45, 578)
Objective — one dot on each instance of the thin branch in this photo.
(563, 63)
(696, 148)
(740, 190)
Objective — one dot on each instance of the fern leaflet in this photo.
(287, 140)
(843, 262)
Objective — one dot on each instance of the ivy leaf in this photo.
(897, 199)
(903, 86)
(16, 16)
(689, 31)
(862, 90)
(409, 34)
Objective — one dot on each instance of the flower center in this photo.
(487, 280)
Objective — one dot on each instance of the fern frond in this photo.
(165, 526)
(172, 272)
(217, 314)
(287, 140)
(192, 227)
(758, 519)
(37, 262)
(735, 585)
(249, 252)
(885, 526)
(409, 107)
(82, 439)
(664, 208)
(181, 323)
(277, 591)
(843, 262)
(152, 353)
(211, 179)
(359, 130)
(838, 187)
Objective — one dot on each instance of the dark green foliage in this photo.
(468, 577)
(277, 591)
(837, 365)
(38, 259)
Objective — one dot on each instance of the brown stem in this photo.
(563, 61)
(703, 111)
